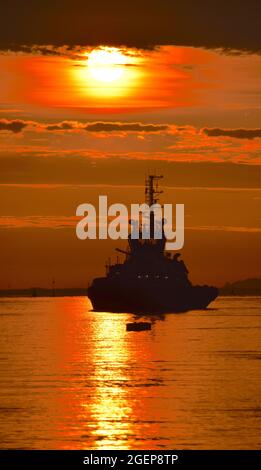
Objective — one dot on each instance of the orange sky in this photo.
(74, 119)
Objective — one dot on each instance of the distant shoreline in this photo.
(247, 287)
(42, 292)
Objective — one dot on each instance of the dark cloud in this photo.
(107, 127)
(46, 50)
(14, 126)
(136, 23)
(124, 126)
(17, 126)
(62, 126)
(235, 133)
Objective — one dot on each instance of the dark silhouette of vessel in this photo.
(138, 326)
(150, 280)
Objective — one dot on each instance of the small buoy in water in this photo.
(138, 326)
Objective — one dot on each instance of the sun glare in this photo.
(106, 65)
(108, 73)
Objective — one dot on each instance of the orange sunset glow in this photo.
(130, 233)
(111, 77)
(75, 121)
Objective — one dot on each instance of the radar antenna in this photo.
(151, 197)
(152, 189)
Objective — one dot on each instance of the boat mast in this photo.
(151, 196)
(151, 190)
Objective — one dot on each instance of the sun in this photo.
(106, 64)
(107, 74)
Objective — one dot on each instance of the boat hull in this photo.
(148, 296)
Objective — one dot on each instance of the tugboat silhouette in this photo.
(149, 280)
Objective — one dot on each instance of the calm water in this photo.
(75, 379)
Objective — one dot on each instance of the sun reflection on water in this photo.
(109, 407)
(75, 379)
